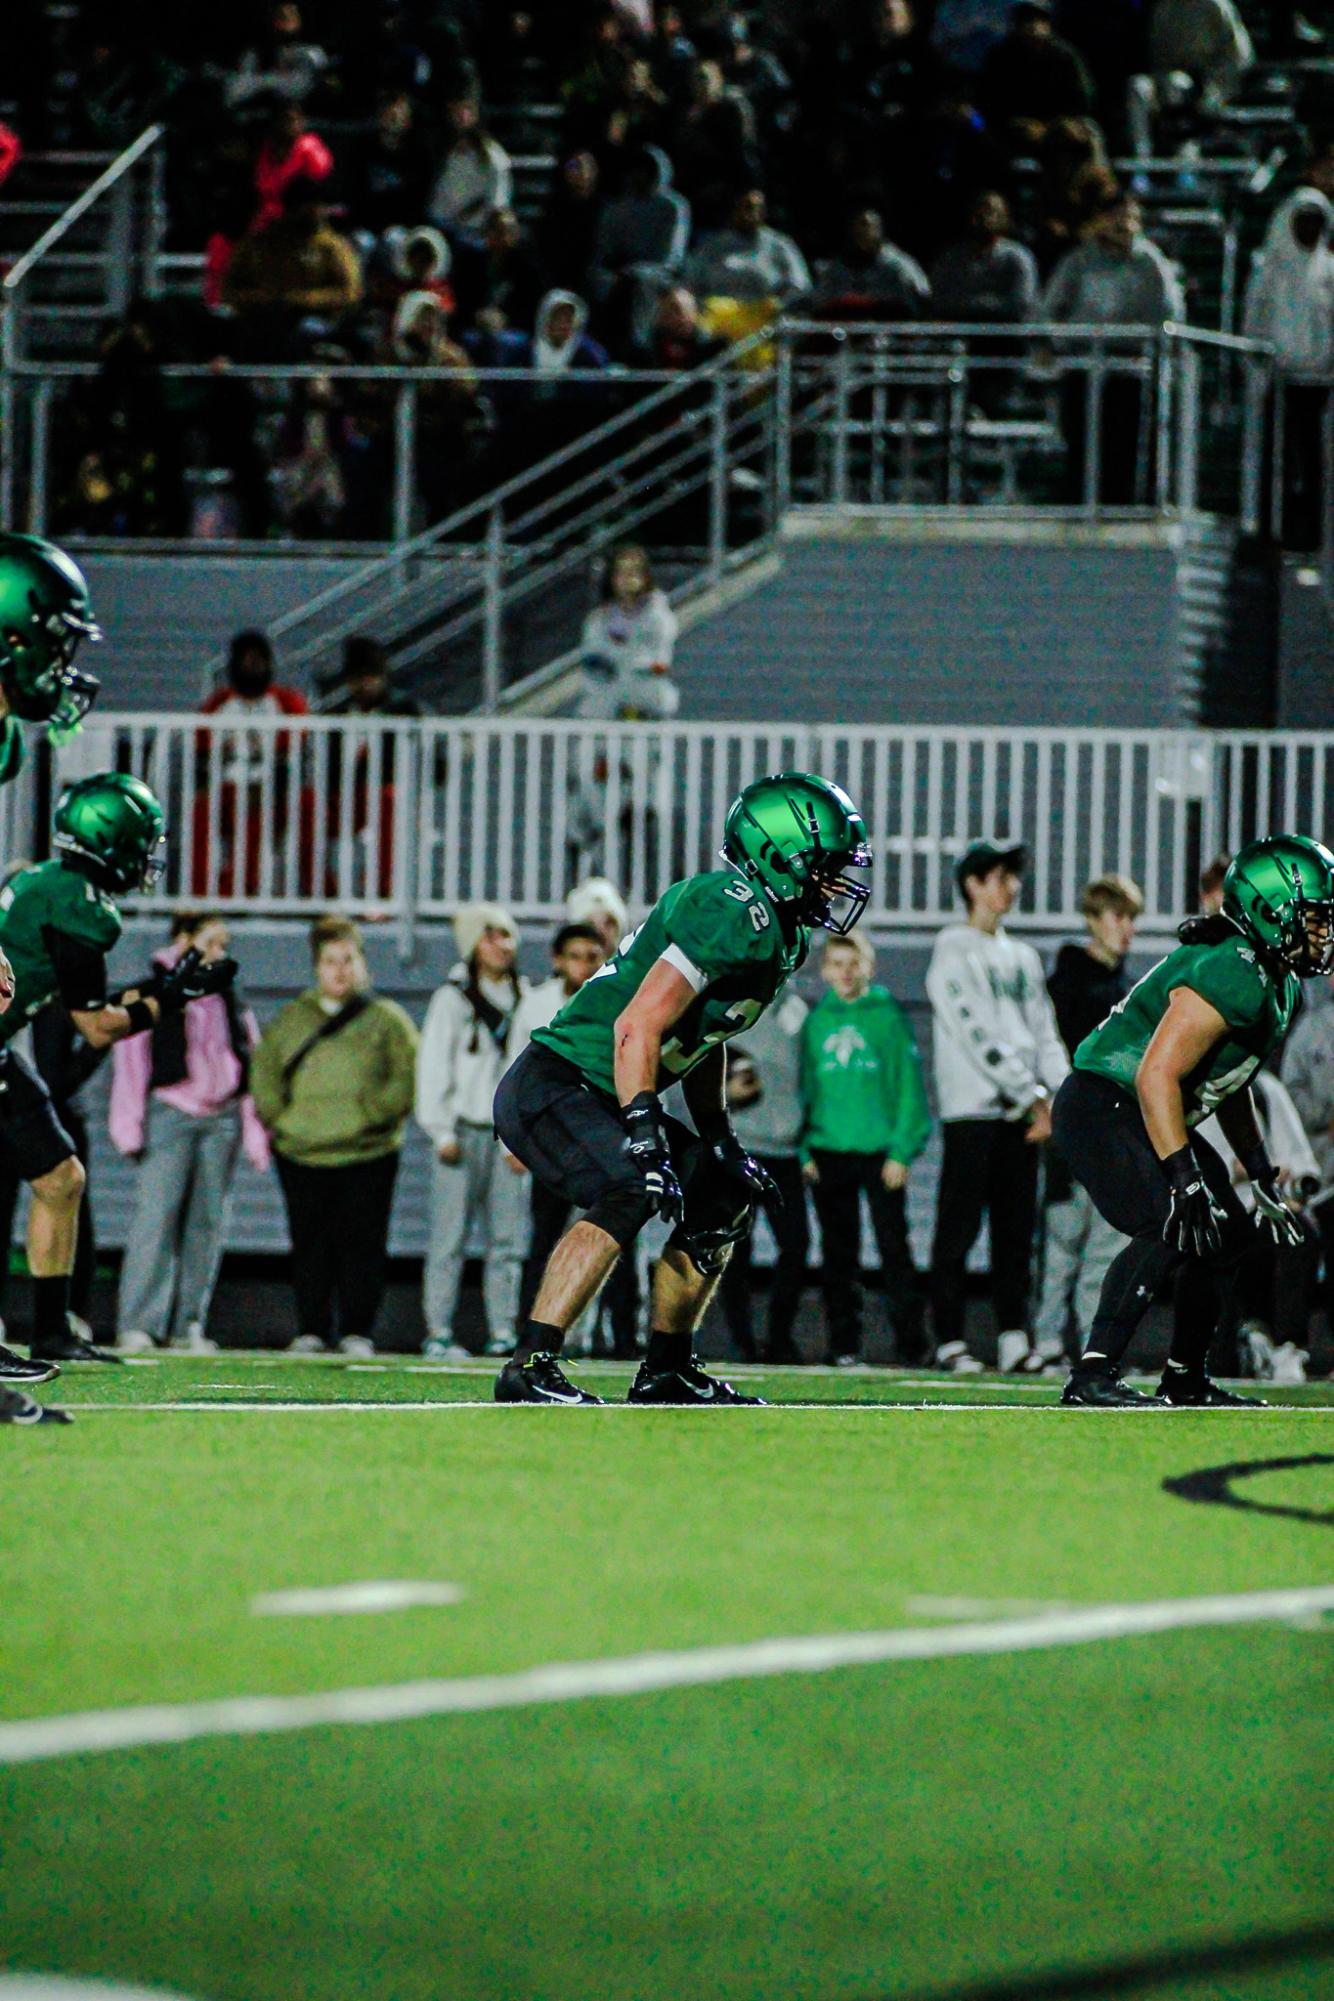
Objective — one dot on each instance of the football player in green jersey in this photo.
(44, 615)
(1186, 1042)
(581, 1106)
(58, 922)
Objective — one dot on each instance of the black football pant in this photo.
(990, 1167)
(789, 1273)
(552, 1215)
(844, 1179)
(338, 1220)
(85, 1247)
(1103, 1139)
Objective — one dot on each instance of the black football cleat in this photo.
(540, 1379)
(683, 1386)
(17, 1369)
(15, 1408)
(71, 1347)
(1192, 1389)
(1102, 1389)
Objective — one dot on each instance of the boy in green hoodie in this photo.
(866, 1122)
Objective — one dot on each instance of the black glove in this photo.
(190, 979)
(760, 1189)
(652, 1155)
(1272, 1212)
(1191, 1225)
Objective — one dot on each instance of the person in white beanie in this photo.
(462, 1057)
(598, 902)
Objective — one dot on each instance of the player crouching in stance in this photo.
(1186, 1042)
(58, 921)
(581, 1106)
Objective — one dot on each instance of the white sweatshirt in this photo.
(627, 659)
(1284, 1135)
(538, 1009)
(995, 1035)
(459, 1062)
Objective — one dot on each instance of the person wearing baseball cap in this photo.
(999, 1059)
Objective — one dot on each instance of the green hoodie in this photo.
(349, 1098)
(861, 1079)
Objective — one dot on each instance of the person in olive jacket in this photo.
(866, 1122)
(333, 1080)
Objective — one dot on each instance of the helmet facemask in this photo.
(833, 899)
(57, 693)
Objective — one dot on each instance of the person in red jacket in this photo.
(245, 776)
(289, 153)
(11, 151)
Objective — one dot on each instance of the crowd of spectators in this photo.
(348, 184)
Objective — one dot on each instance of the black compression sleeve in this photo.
(81, 970)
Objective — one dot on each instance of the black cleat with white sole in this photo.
(1193, 1389)
(539, 1379)
(15, 1408)
(71, 1347)
(683, 1386)
(1102, 1389)
(17, 1369)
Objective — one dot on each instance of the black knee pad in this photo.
(709, 1247)
(622, 1213)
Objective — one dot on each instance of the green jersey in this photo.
(1257, 1008)
(723, 937)
(55, 927)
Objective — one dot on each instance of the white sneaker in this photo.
(356, 1344)
(1288, 1363)
(306, 1344)
(958, 1358)
(134, 1341)
(1012, 1350)
(439, 1348)
(195, 1341)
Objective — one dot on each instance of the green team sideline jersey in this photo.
(724, 937)
(48, 898)
(1229, 975)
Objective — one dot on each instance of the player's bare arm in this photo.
(662, 999)
(1189, 1030)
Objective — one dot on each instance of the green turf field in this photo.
(991, 1802)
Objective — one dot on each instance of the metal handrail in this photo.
(121, 165)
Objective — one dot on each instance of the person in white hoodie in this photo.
(463, 1053)
(999, 1059)
(1290, 303)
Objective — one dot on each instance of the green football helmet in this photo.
(112, 826)
(1277, 891)
(794, 835)
(44, 612)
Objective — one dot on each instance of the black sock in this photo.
(539, 1337)
(50, 1307)
(668, 1351)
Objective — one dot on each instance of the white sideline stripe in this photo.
(637, 1674)
(388, 1594)
(735, 1414)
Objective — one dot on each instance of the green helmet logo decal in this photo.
(113, 827)
(45, 612)
(1280, 892)
(794, 835)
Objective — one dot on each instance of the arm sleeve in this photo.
(961, 997)
(1053, 1061)
(266, 1074)
(390, 1096)
(905, 1090)
(81, 970)
(436, 1092)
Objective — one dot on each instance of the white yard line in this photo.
(377, 1594)
(99, 1730)
(733, 1413)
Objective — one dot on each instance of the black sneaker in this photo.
(1187, 1389)
(1102, 1389)
(71, 1347)
(17, 1369)
(540, 1379)
(15, 1408)
(683, 1386)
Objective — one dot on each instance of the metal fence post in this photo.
(155, 223)
(1254, 389)
(1093, 381)
(718, 479)
(405, 461)
(1188, 455)
(38, 454)
(407, 789)
(8, 407)
(842, 379)
(493, 612)
(119, 253)
(783, 433)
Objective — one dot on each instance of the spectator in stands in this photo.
(499, 283)
(242, 762)
(1308, 1074)
(1032, 77)
(640, 247)
(757, 73)
(182, 1112)
(937, 159)
(462, 1057)
(333, 1080)
(749, 262)
(421, 262)
(764, 1098)
(1074, 183)
(627, 645)
(866, 1122)
(11, 151)
(1088, 981)
(476, 178)
(598, 902)
(677, 339)
(387, 173)
(281, 64)
(713, 144)
(453, 423)
(1211, 885)
(1205, 39)
(999, 1060)
(126, 477)
(307, 475)
(871, 280)
(987, 278)
(1116, 278)
(297, 274)
(365, 684)
(288, 156)
(1290, 304)
(567, 237)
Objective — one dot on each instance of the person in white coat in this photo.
(463, 1053)
(999, 1060)
(1290, 303)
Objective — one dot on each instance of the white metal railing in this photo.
(407, 820)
